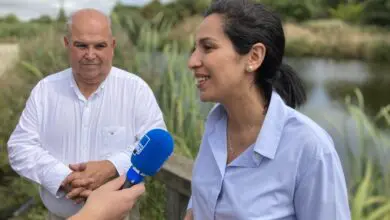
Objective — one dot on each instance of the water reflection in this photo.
(329, 81)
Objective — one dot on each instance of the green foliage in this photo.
(365, 205)
(11, 19)
(292, 10)
(377, 12)
(20, 31)
(44, 19)
(148, 35)
(379, 51)
(371, 199)
(179, 102)
(152, 204)
(152, 9)
(365, 164)
(350, 12)
(61, 16)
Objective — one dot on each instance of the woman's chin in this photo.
(204, 97)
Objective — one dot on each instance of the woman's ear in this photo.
(256, 57)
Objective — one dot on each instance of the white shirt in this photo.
(59, 126)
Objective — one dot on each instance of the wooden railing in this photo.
(176, 175)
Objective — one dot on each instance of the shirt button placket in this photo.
(84, 130)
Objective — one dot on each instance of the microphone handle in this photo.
(127, 184)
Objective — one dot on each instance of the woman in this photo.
(259, 158)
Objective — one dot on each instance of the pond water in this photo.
(328, 82)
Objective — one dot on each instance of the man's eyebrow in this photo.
(93, 43)
(78, 42)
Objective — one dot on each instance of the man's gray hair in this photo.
(69, 22)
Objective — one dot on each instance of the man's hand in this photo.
(108, 202)
(80, 194)
(87, 177)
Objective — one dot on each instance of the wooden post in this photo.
(176, 175)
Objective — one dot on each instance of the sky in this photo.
(27, 9)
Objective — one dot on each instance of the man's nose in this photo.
(90, 54)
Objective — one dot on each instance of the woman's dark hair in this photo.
(247, 23)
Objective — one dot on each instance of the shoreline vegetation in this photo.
(327, 38)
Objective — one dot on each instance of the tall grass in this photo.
(364, 149)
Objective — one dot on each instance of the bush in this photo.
(349, 12)
(377, 13)
(21, 30)
(290, 10)
(11, 19)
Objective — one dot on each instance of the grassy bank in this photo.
(321, 38)
(337, 39)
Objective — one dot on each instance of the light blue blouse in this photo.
(291, 172)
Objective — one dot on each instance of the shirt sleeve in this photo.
(321, 191)
(148, 116)
(25, 153)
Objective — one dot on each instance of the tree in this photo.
(11, 19)
(44, 19)
(61, 16)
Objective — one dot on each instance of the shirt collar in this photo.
(270, 134)
(73, 84)
(267, 141)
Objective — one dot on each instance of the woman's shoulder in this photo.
(308, 136)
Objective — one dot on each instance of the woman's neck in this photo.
(246, 110)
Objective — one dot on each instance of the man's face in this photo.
(91, 49)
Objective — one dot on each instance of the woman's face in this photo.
(219, 70)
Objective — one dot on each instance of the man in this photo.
(92, 112)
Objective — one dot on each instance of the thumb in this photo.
(78, 166)
(114, 184)
(135, 191)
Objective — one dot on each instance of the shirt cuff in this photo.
(53, 178)
(121, 162)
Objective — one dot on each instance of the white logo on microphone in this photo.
(142, 144)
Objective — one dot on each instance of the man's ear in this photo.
(256, 57)
(66, 41)
(113, 42)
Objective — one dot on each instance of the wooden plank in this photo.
(176, 174)
(176, 205)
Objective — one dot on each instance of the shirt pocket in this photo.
(114, 139)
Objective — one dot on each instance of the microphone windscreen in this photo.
(152, 151)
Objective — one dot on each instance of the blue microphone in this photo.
(150, 154)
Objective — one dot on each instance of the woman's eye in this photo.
(207, 47)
